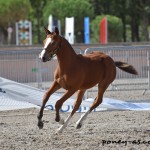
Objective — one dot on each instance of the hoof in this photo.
(78, 126)
(40, 124)
(57, 119)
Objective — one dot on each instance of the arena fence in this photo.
(138, 56)
(24, 66)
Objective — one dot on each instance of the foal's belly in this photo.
(90, 82)
(87, 86)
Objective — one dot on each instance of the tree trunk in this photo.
(38, 27)
(124, 28)
(135, 29)
(132, 30)
(145, 28)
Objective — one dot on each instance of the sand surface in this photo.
(109, 130)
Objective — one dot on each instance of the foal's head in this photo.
(52, 45)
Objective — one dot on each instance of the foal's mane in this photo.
(68, 44)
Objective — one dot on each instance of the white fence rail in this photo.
(25, 67)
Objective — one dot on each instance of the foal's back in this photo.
(97, 67)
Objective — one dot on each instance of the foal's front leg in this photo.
(76, 107)
(60, 102)
(55, 86)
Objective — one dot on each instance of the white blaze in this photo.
(47, 42)
(42, 54)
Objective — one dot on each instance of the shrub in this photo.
(114, 29)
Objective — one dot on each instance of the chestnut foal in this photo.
(77, 73)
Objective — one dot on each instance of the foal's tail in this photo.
(126, 67)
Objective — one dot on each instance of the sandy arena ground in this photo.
(109, 130)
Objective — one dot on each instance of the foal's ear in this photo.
(47, 31)
(56, 31)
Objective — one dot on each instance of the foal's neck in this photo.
(66, 56)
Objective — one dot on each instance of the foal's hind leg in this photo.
(97, 102)
(55, 86)
(76, 107)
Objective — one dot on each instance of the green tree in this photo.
(114, 29)
(134, 20)
(68, 8)
(119, 9)
(10, 12)
(37, 13)
(115, 7)
(145, 15)
(102, 6)
(13, 10)
(135, 15)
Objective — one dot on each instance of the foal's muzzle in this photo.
(43, 56)
(43, 59)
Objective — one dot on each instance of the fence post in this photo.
(38, 73)
(86, 92)
(148, 60)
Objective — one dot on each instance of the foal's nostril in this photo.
(43, 59)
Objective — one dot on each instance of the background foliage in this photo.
(68, 8)
(114, 28)
(13, 10)
(132, 17)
